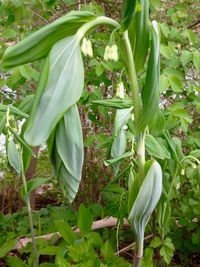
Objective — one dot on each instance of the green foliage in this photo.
(172, 133)
(68, 164)
(40, 43)
(60, 91)
(84, 219)
(146, 201)
(150, 92)
(129, 7)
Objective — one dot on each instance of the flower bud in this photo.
(84, 46)
(194, 166)
(89, 48)
(182, 172)
(114, 53)
(120, 90)
(106, 56)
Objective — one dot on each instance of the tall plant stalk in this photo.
(140, 138)
(28, 204)
(63, 56)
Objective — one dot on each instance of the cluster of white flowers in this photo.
(111, 53)
(120, 92)
(86, 47)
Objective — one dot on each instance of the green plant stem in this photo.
(96, 22)
(128, 55)
(140, 139)
(141, 155)
(35, 252)
(137, 261)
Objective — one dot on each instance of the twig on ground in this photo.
(107, 222)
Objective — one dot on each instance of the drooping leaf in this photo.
(14, 157)
(146, 201)
(63, 89)
(21, 141)
(66, 151)
(156, 149)
(118, 147)
(128, 11)
(139, 34)
(32, 185)
(38, 44)
(150, 92)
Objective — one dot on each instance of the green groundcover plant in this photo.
(54, 116)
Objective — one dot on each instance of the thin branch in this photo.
(47, 22)
(107, 222)
(194, 24)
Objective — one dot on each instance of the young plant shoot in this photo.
(55, 118)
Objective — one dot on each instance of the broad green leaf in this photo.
(128, 11)
(155, 149)
(165, 29)
(8, 34)
(6, 247)
(167, 51)
(52, 250)
(164, 83)
(178, 147)
(135, 186)
(32, 185)
(172, 148)
(150, 92)
(21, 141)
(158, 124)
(167, 250)
(176, 84)
(114, 103)
(14, 261)
(66, 151)
(186, 57)
(84, 219)
(118, 147)
(14, 157)
(60, 262)
(66, 232)
(133, 192)
(156, 242)
(139, 34)
(26, 104)
(63, 89)
(146, 201)
(40, 89)
(164, 212)
(38, 44)
(147, 260)
(195, 153)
